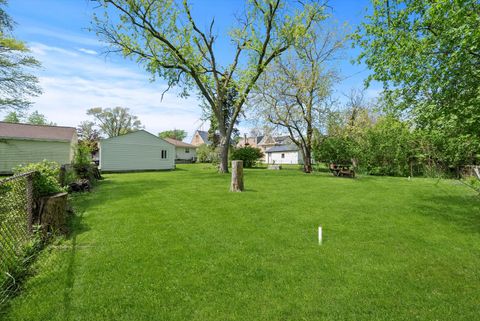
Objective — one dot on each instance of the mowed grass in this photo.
(179, 246)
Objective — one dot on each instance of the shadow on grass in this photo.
(77, 227)
(462, 211)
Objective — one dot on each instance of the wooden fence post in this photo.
(237, 176)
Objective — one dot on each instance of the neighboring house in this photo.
(250, 141)
(183, 151)
(136, 151)
(199, 138)
(270, 141)
(283, 154)
(25, 143)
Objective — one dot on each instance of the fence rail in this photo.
(16, 217)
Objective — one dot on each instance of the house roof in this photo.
(36, 132)
(282, 148)
(204, 136)
(274, 140)
(178, 143)
(136, 131)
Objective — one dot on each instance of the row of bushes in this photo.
(390, 146)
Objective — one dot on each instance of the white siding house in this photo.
(136, 151)
(25, 143)
(184, 152)
(285, 154)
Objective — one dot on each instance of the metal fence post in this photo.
(29, 190)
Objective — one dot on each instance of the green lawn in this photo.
(178, 246)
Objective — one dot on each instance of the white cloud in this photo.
(63, 35)
(73, 83)
(88, 51)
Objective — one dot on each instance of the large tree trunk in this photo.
(223, 166)
(307, 160)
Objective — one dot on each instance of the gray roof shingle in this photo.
(282, 148)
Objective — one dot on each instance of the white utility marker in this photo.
(320, 235)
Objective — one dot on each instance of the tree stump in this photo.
(53, 213)
(237, 176)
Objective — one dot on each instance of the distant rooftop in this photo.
(179, 143)
(204, 136)
(282, 148)
(36, 132)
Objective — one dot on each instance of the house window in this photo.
(283, 155)
(187, 150)
(164, 154)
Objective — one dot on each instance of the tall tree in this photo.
(16, 83)
(88, 135)
(13, 117)
(37, 118)
(164, 36)
(294, 93)
(427, 55)
(178, 134)
(115, 121)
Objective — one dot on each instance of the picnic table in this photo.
(341, 170)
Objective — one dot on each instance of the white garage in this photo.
(137, 151)
(283, 154)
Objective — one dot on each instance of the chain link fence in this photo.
(16, 210)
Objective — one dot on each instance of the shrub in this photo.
(207, 154)
(249, 155)
(82, 161)
(335, 149)
(46, 181)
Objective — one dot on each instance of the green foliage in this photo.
(177, 134)
(164, 37)
(35, 118)
(427, 55)
(249, 155)
(46, 180)
(388, 148)
(338, 150)
(207, 154)
(115, 121)
(83, 155)
(82, 162)
(13, 117)
(17, 85)
(88, 135)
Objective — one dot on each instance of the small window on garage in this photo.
(164, 154)
(187, 150)
(283, 155)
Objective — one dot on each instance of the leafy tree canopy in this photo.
(16, 84)
(34, 118)
(178, 134)
(427, 55)
(164, 37)
(115, 121)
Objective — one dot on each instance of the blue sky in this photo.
(76, 75)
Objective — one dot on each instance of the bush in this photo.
(82, 161)
(46, 181)
(334, 149)
(249, 155)
(207, 154)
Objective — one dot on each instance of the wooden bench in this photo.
(341, 170)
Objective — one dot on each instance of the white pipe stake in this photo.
(320, 235)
